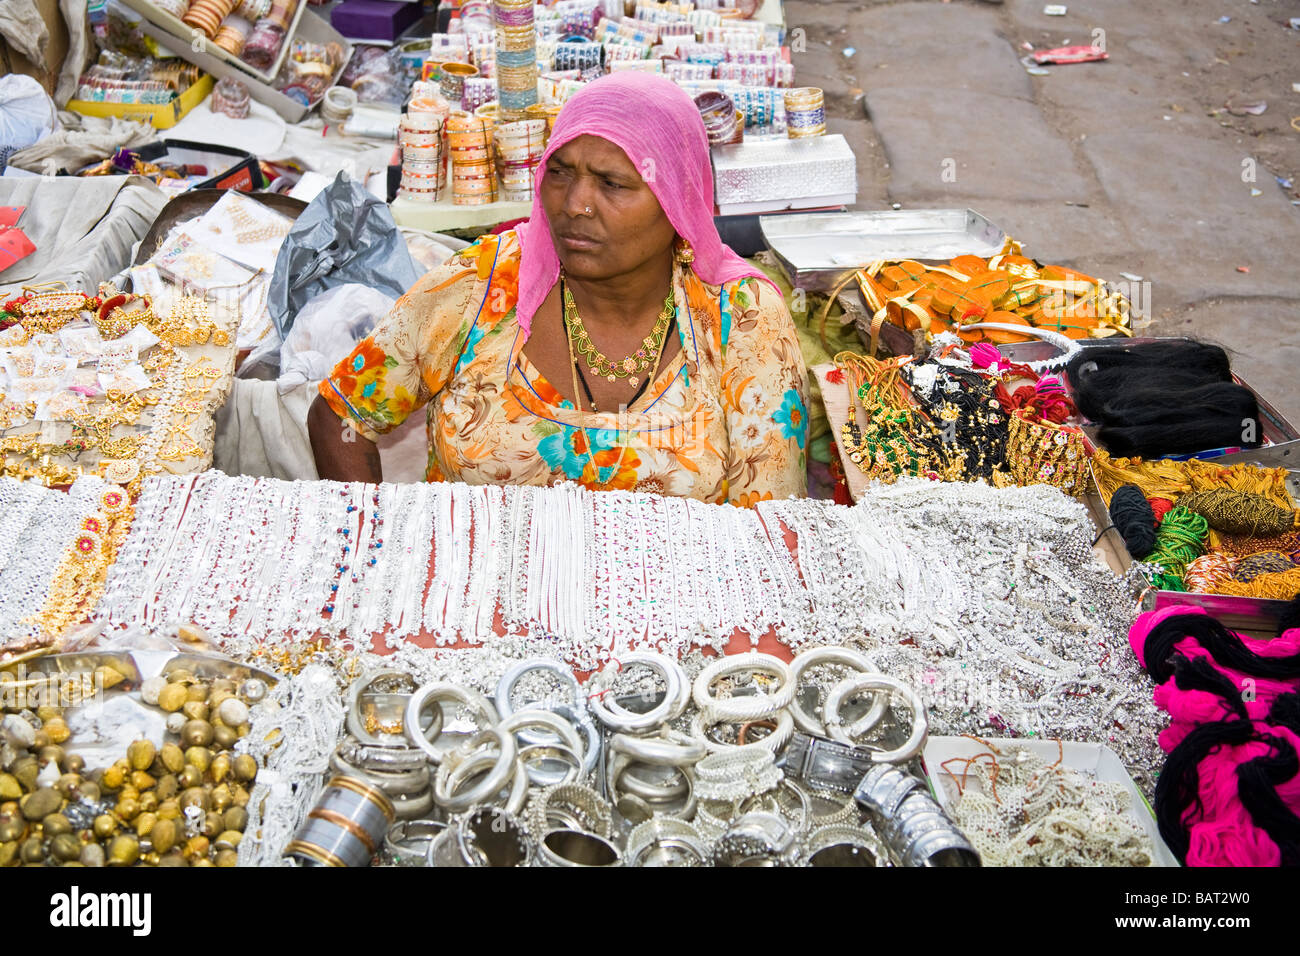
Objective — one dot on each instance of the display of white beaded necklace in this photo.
(989, 601)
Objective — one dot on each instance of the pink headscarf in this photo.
(658, 126)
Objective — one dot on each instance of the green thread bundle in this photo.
(1239, 512)
(1179, 541)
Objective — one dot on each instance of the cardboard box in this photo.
(164, 116)
(47, 73)
(216, 61)
(382, 20)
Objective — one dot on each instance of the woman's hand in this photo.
(341, 453)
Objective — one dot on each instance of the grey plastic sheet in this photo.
(344, 235)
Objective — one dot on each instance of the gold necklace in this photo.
(577, 396)
(630, 367)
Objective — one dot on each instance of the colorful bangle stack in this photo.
(233, 34)
(516, 57)
(544, 111)
(206, 15)
(282, 12)
(759, 104)
(519, 147)
(723, 123)
(478, 90)
(476, 16)
(577, 54)
(688, 72)
(263, 44)
(469, 144)
(452, 80)
(230, 97)
(578, 16)
(805, 112)
(423, 167)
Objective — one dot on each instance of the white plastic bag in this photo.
(27, 113)
(326, 329)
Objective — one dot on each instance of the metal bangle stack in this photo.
(516, 57)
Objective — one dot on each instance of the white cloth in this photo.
(263, 433)
(84, 229)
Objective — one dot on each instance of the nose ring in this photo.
(587, 210)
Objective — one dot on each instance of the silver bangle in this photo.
(384, 759)
(774, 741)
(415, 807)
(394, 784)
(573, 805)
(742, 709)
(474, 754)
(666, 842)
(488, 836)
(756, 839)
(618, 718)
(883, 789)
(438, 693)
(562, 734)
(838, 845)
(877, 682)
(407, 842)
(356, 723)
(670, 749)
(622, 779)
(510, 679)
(817, 657)
(943, 848)
(564, 847)
(550, 778)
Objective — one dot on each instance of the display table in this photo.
(446, 216)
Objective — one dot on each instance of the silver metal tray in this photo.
(108, 715)
(817, 251)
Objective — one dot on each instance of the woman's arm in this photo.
(764, 396)
(341, 453)
(389, 374)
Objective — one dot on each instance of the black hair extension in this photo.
(1225, 647)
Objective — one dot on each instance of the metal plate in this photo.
(817, 251)
(111, 717)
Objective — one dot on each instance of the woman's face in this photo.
(625, 228)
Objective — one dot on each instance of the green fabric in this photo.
(804, 309)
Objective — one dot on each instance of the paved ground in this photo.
(1133, 165)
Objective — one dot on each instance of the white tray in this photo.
(1095, 759)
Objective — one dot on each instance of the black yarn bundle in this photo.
(1163, 398)
(1227, 649)
(1258, 779)
(1133, 518)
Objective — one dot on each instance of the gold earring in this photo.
(683, 253)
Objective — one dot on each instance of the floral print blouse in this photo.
(726, 421)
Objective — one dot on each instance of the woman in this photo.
(611, 340)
